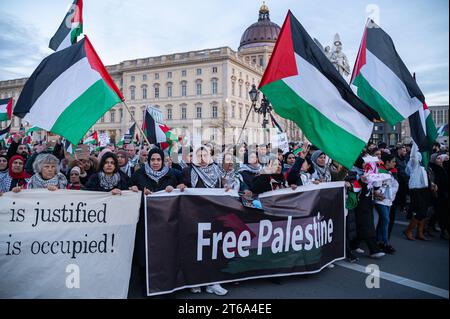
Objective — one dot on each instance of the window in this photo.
(144, 77)
(156, 92)
(214, 69)
(183, 113)
(156, 76)
(184, 88)
(183, 72)
(240, 90)
(214, 111)
(102, 119)
(199, 71)
(133, 78)
(121, 114)
(169, 75)
(233, 110)
(233, 88)
(261, 60)
(113, 116)
(169, 90)
(144, 92)
(240, 112)
(199, 88)
(199, 112)
(132, 93)
(169, 114)
(214, 87)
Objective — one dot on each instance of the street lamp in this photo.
(265, 106)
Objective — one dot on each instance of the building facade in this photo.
(202, 94)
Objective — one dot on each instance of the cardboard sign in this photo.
(280, 141)
(127, 139)
(103, 139)
(82, 151)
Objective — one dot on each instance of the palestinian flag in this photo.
(305, 87)
(68, 92)
(130, 135)
(423, 132)
(153, 130)
(71, 27)
(69, 147)
(382, 79)
(92, 139)
(4, 132)
(6, 109)
(33, 129)
(275, 123)
(443, 130)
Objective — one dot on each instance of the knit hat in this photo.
(316, 155)
(75, 169)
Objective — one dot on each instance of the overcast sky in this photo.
(123, 30)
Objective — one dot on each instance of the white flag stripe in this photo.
(389, 85)
(313, 87)
(61, 93)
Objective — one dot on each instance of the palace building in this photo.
(202, 93)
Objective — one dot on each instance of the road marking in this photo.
(399, 280)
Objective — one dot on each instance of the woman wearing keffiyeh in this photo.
(203, 173)
(12, 176)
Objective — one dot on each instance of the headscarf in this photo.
(20, 175)
(155, 175)
(5, 179)
(433, 158)
(323, 172)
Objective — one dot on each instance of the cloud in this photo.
(21, 48)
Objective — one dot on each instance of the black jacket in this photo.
(262, 183)
(141, 180)
(93, 183)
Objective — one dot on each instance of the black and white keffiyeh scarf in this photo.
(5, 181)
(210, 175)
(248, 168)
(155, 175)
(36, 181)
(109, 182)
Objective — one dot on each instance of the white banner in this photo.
(66, 244)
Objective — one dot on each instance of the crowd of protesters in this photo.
(384, 182)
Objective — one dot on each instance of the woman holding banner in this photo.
(250, 169)
(108, 178)
(204, 173)
(153, 176)
(12, 176)
(47, 175)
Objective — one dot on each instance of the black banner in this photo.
(204, 236)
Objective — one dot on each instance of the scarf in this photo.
(323, 172)
(248, 168)
(210, 175)
(231, 179)
(22, 174)
(108, 182)
(36, 181)
(126, 169)
(5, 181)
(155, 175)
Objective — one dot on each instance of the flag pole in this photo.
(134, 120)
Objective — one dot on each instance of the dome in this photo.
(260, 33)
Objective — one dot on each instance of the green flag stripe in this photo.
(337, 143)
(85, 111)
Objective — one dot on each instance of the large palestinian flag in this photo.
(71, 27)
(68, 92)
(304, 86)
(382, 79)
(6, 109)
